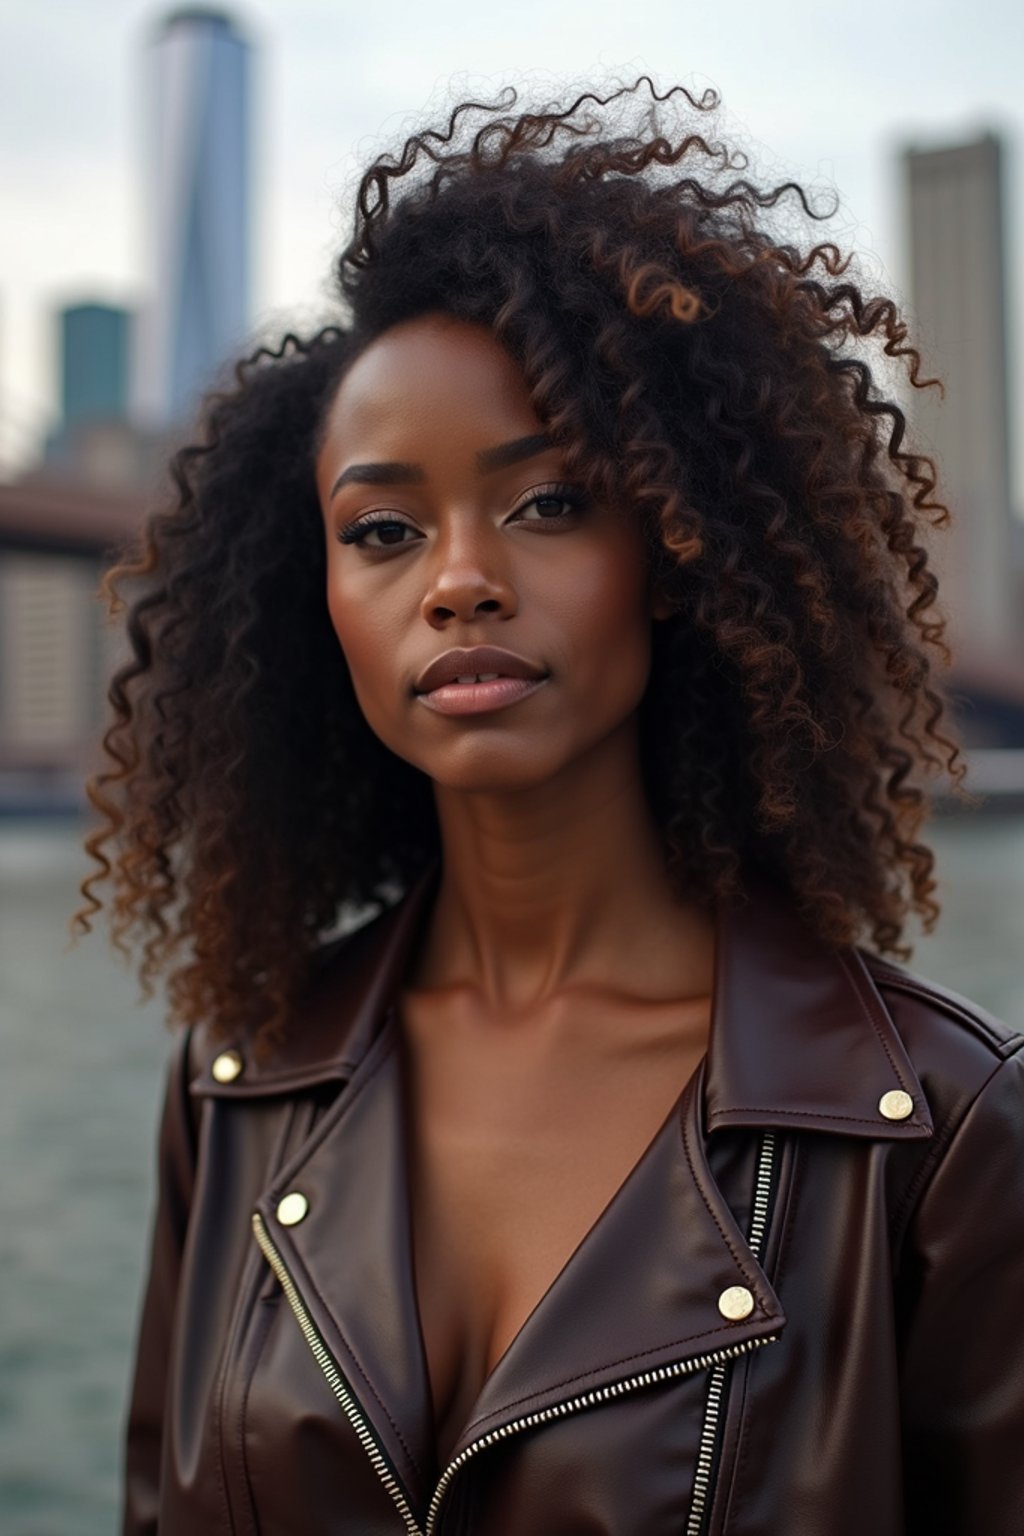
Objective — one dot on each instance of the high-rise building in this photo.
(957, 277)
(93, 347)
(93, 363)
(198, 177)
(95, 441)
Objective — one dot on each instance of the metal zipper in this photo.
(587, 1400)
(716, 1361)
(716, 1386)
(333, 1375)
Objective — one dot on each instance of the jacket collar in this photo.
(800, 1035)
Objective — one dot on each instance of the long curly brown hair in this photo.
(691, 363)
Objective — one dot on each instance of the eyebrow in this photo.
(393, 473)
(491, 459)
(488, 460)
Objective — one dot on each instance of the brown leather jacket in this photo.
(800, 1316)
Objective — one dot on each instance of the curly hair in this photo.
(689, 362)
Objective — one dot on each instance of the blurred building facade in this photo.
(198, 184)
(93, 354)
(58, 526)
(94, 360)
(958, 295)
(57, 653)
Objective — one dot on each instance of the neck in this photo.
(562, 887)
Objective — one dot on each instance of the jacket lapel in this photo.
(351, 1259)
(641, 1290)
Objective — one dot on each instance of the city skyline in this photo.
(332, 89)
(57, 526)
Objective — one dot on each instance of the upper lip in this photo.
(480, 658)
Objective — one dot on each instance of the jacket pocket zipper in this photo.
(719, 1376)
(716, 1361)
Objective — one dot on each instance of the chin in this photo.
(493, 767)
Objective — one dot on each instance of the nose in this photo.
(468, 577)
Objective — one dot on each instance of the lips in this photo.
(486, 660)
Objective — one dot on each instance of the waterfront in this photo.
(78, 1097)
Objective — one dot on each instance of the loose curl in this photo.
(689, 363)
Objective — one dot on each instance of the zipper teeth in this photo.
(587, 1400)
(762, 1193)
(705, 1455)
(716, 1386)
(333, 1375)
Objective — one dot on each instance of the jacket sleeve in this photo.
(175, 1171)
(963, 1364)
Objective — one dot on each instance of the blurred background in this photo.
(173, 183)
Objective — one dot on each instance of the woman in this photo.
(608, 1177)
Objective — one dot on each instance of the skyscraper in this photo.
(93, 353)
(197, 178)
(93, 362)
(958, 299)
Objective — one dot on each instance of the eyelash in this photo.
(356, 532)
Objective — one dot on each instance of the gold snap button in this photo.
(292, 1208)
(896, 1105)
(736, 1303)
(227, 1066)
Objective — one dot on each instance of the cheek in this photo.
(368, 647)
(607, 616)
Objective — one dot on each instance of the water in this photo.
(79, 1092)
(78, 1099)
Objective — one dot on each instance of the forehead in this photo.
(430, 374)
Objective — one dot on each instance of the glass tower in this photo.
(198, 188)
(93, 362)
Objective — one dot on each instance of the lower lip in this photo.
(479, 698)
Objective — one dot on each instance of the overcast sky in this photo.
(827, 93)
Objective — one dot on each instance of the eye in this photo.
(378, 530)
(551, 504)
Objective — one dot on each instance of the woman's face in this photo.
(450, 524)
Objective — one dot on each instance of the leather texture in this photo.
(875, 1388)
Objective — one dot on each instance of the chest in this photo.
(313, 1404)
(519, 1138)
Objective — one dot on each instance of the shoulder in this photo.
(923, 1005)
(969, 1061)
(348, 981)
